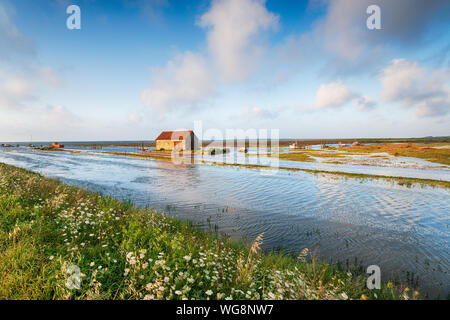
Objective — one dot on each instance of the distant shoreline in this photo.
(282, 142)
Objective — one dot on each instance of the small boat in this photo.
(295, 146)
(56, 145)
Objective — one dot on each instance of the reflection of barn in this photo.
(177, 140)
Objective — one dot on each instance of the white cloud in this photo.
(44, 123)
(135, 117)
(50, 77)
(184, 82)
(332, 95)
(22, 80)
(20, 74)
(337, 94)
(14, 91)
(13, 43)
(60, 117)
(340, 35)
(258, 112)
(413, 86)
(401, 79)
(434, 107)
(364, 103)
(344, 47)
(234, 27)
(343, 30)
(17, 87)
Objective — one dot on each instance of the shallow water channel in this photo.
(403, 230)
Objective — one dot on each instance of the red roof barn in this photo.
(177, 140)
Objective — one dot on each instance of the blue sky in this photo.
(311, 69)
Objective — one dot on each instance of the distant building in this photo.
(177, 140)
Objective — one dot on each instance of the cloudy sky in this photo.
(309, 68)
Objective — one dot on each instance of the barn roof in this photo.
(174, 135)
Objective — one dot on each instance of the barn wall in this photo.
(179, 145)
(195, 145)
(191, 143)
(164, 144)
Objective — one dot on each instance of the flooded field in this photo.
(390, 166)
(403, 230)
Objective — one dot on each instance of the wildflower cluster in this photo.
(52, 235)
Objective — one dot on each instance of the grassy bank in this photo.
(294, 156)
(423, 151)
(307, 156)
(48, 230)
(431, 152)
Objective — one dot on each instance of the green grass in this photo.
(422, 151)
(295, 156)
(124, 252)
(214, 151)
(307, 156)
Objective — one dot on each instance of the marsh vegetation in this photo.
(438, 153)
